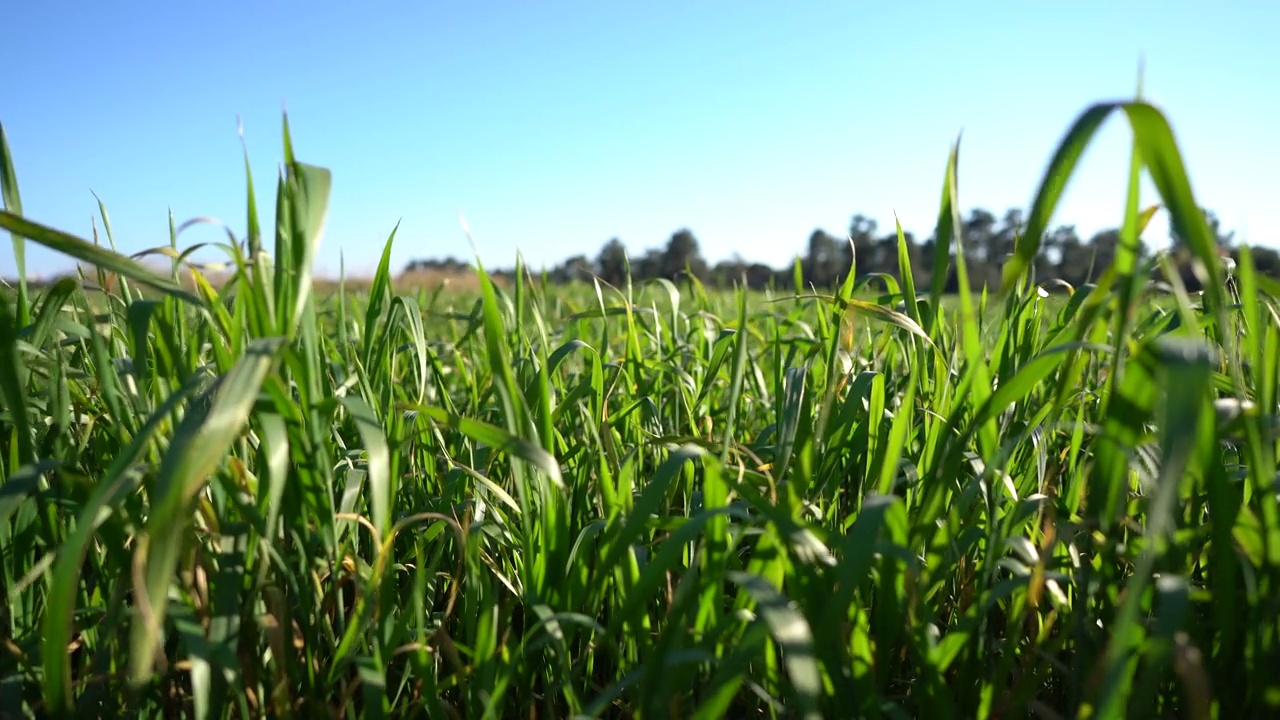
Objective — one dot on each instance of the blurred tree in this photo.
(1053, 248)
(1076, 258)
(1223, 240)
(979, 230)
(1266, 260)
(682, 251)
(862, 235)
(1104, 245)
(611, 264)
(574, 268)
(822, 263)
(982, 247)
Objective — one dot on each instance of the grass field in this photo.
(647, 501)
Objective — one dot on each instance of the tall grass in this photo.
(643, 501)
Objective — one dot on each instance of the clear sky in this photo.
(555, 125)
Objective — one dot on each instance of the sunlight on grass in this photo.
(252, 498)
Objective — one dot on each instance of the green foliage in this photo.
(646, 499)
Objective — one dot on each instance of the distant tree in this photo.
(648, 266)
(822, 263)
(982, 247)
(1011, 228)
(726, 272)
(1104, 246)
(862, 235)
(574, 268)
(681, 252)
(1220, 238)
(979, 231)
(1075, 257)
(825, 258)
(448, 264)
(1266, 260)
(611, 264)
(1048, 261)
(737, 269)
(760, 276)
(884, 256)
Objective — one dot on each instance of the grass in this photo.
(646, 501)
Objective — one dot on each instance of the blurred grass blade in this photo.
(309, 197)
(1187, 366)
(1052, 186)
(791, 631)
(94, 255)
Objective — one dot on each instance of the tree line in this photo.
(988, 240)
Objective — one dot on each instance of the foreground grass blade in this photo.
(120, 478)
(200, 443)
(1158, 150)
(792, 633)
(12, 200)
(12, 387)
(86, 251)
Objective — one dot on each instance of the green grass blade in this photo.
(86, 251)
(120, 478)
(791, 631)
(12, 387)
(199, 446)
(13, 203)
(381, 490)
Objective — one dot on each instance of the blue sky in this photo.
(553, 126)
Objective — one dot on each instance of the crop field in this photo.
(644, 501)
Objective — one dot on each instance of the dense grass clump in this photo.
(645, 501)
